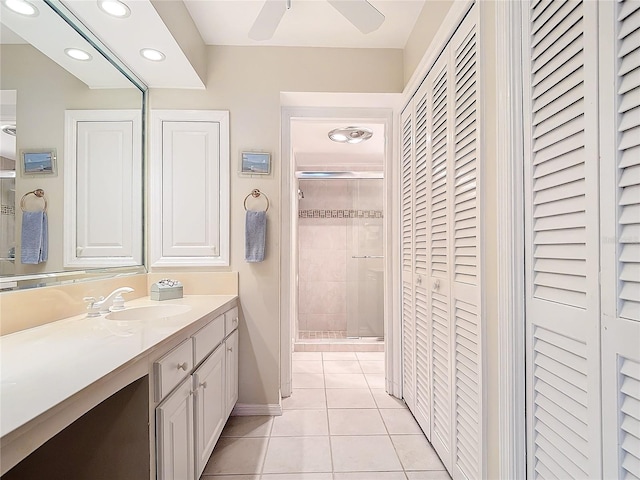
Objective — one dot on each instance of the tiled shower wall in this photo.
(325, 248)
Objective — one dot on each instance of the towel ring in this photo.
(38, 192)
(255, 193)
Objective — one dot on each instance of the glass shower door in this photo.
(365, 261)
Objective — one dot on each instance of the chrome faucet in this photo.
(101, 305)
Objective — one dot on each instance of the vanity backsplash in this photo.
(22, 309)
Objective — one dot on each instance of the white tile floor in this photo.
(339, 424)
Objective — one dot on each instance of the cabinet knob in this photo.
(203, 384)
(436, 285)
(230, 349)
(235, 321)
(183, 366)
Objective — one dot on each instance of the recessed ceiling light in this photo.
(78, 54)
(9, 130)
(114, 8)
(22, 7)
(153, 55)
(350, 134)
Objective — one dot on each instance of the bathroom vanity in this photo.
(142, 393)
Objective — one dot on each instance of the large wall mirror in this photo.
(43, 74)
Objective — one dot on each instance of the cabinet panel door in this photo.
(174, 432)
(103, 214)
(210, 412)
(231, 371)
(189, 188)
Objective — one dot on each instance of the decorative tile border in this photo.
(8, 210)
(314, 213)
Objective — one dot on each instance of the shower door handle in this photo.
(367, 256)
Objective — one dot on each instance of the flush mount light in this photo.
(152, 54)
(21, 6)
(114, 8)
(78, 54)
(9, 130)
(350, 134)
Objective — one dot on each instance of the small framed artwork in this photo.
(39, 162)
(255, 163)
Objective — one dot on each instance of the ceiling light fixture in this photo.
(350, 134)
(152, 54)
(22, 7)
(114, 8)
(78, 54)
(9, 130)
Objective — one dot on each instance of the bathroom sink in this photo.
(151, 312)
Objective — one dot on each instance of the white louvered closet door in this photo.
(620, 153)
(562, 240)
(440, 184)
(465, 248)
(407, 232)
(421, 170)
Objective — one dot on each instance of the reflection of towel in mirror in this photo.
(35, 238)
(255, 235)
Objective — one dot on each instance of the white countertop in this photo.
(43, 366)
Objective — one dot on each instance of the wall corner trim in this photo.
(510, 187)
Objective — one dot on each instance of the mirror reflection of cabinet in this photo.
(189, 189)
(103, 214)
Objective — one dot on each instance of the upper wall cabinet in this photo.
(103, 213)
(189, 189)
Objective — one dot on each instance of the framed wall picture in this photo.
(39, 162)
(255, 163)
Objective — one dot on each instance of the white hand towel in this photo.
(255, 236)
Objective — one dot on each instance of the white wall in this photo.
(247, 81)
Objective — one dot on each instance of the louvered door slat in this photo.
(561, 162)
(464, 241)
(422, 195)
(629, 166)
(407, 229)
(621, 309)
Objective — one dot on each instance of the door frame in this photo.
(378, 108)
(510, 235)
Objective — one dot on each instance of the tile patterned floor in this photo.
(339, 424)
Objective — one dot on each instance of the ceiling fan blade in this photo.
(268, 19)
(361, 13)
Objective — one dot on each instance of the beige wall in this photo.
(247, 81)
(428, 23)
(45, 91)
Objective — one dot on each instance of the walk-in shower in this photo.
(340, 256)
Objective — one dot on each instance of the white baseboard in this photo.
(244, 409)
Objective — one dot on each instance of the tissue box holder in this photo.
(166, 290)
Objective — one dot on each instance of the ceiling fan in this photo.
(361, 13)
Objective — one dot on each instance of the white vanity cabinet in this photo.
(231, 368)
(210, 408)
(174, 432)
(190, 419)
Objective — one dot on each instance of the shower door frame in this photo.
(384, 112)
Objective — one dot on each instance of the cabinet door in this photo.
(231, 371)
(210, 411)
(103, 214)
(174, 432)
(189, 188)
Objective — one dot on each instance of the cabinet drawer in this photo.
(172, 368)
(231, 320)
(208, 338)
